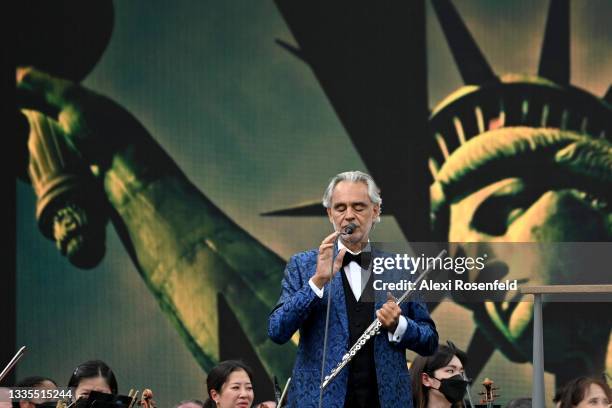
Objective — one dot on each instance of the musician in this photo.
(523, 402)
(586, 392)
(93, 375)
(35, 382)
(437, 380)
(558, 395)
(377, 376)
(229, 385)
(193, 403)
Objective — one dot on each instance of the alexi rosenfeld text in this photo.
(414, 264)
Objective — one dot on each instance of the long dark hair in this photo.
(219, 375)
(575, 390)
(428, 365)
(93, 369)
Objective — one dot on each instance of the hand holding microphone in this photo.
(326, 256)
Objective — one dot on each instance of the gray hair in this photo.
(355, 176)
(524, 402)
(193, 401)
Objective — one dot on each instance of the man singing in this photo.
(377, 376)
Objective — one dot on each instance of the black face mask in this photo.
(453, 388)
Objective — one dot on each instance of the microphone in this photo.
(349, 229)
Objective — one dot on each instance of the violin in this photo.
(115, 401)
(146, 400)
(489, 395)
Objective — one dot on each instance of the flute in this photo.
(373, 329)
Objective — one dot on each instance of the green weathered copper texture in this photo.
(187, 250)
(68, 198)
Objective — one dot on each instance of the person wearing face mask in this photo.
(35, 382)
(93, 375)
(438, 381)
(229, 385)
(586, 392)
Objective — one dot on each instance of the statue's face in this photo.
(520, 211)
(517, 210)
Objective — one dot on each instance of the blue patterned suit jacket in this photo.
(299, 308)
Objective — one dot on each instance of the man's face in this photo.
(350, 203)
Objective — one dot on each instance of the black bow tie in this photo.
(362, 258)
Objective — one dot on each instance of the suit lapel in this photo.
(379, 297)
(338, 299)
(365, 276)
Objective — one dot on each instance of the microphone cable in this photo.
(347, 230)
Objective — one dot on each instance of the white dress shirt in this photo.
(353, 275)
